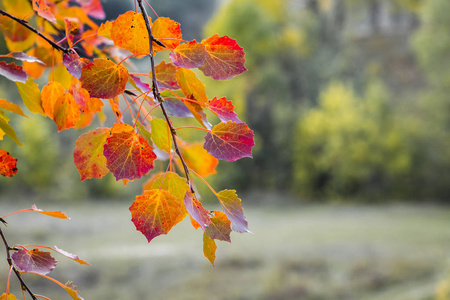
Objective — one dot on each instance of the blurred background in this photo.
(348, 190)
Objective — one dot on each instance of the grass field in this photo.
(295, 252)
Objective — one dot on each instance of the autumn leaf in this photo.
(54, 214)
(198, 159)
(161, 135)
(6, 128)
(225, 58)
(230, 141)
(224, 109)
(34, 261)
(166, 76)
(129, 32)
(191, 86)
(24, 57)
(233, 209)
(191, 55)
(168, 181)
(196, 210)
(142, 86)
(43, 10)
(31, 96)
(17, 37)
(66, 112)
(105, 30)
(11, 107)
(128, 155)
(71, 256)
(51, 92)
(209, 248)
(13, 72)
(155, 212)
(72, 290)
(73, 64)
(8, 164)
(219, 229)
(167, 32)
(88, 154)
(6, 296)
(104, 79)
(177, 108)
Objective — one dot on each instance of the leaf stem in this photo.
(25, 24)
(16, 212)
(193, 127)
(157, 95)
(9, 260)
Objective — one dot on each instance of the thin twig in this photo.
(25, 24)
(9, 260)
(157, 95)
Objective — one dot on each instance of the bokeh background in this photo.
(349, 187)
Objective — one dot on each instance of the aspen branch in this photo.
(157, 94)
(25, 24)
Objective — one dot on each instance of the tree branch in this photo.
(9, 260)
(25, 24)
(157, 95)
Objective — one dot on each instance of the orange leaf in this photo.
(51, 92)
(6, 296)
(191, 86)
(196, 157)
(219, 229)
(128, 31)
(156, 212)
(166, 76)
(128, 155)
(55, 214)
(209, 248)
(167, 32)
(8, 164)
(11, 107)
(88, 154)
(72, 290)
(43, 10)
(71, 256)
(66, 112)
(225, 58)
(104, 79)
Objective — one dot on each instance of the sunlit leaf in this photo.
(72, 290)
(104, 79)
(128, 155)
(13, 72)
(196, 210)
(43, 10)
(166, 76)
(55, 214)
(6, 296)
(167, 32)
(88, 154)
(11, 107)
(71, 256)
(6, 128)
(24, 57)
(219, 229)
(224, 109)
(198, 159)
(73, 64)
(34, 261)
(142, 86)
(177, 108)
(170, 182)
(225, 58)
(51, 92)
(233, 209)
(230, 141)
(161, 134)
(105, 30)
(155, 212)
(66, 112)
(128, 31)
(209, 248)
(191, 55)
(8, 164)
(191, 86)
(31, 96)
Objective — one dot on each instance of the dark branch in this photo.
(25, 24)
(157, 95)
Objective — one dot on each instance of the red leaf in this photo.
(55, 214)
(71, 256)
(104, 79)
(43, 10)
(13, 72)
(189, 56)
(88, 154)
(196, 210)
(8, 164)
(167, 32)
(233, 209)
(209, 248)
(156, 212)
(219, 229)
(230, 141)
(225, 59)
(165, 76)
(224, 109)
(34, 261)
(128, 155)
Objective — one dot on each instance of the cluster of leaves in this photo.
(29, 259)
(90, 64)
